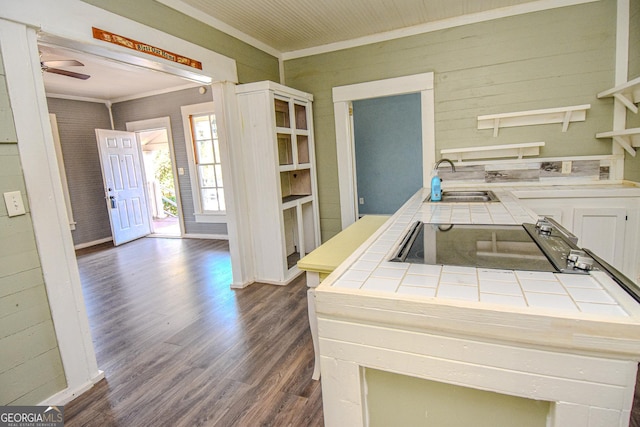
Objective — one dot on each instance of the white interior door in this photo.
(123, 185)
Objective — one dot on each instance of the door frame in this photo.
(161, 123)
(66, 25)
(343, 96)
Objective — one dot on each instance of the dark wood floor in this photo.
(179, 348)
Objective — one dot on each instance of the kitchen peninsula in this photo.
(567, 341)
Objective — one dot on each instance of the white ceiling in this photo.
(109, 81)
(291, 25)
(281, 26)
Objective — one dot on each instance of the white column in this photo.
(47, 205)
(232, 152)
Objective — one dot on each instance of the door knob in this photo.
(113, 202)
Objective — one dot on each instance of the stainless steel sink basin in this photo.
(471, 196)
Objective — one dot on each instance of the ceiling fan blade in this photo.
(67, 73)
(63, 63)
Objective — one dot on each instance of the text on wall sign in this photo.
(144, 48)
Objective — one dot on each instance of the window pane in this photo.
(219, 175)
(210, 200)
(205, 151)
(214, 126)
(207, 176)
(216, 149)
(223, 206)
(202, 127)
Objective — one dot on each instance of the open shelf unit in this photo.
(280, 162)
(629, 95)
(564, 115)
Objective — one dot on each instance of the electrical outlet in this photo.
(566, 167)
(361, 200)
(15, 206)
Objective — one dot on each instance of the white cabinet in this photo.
(602, 230)
(278, 148)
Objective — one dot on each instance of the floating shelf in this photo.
(627, 138)
(627, 93)
(564, 115)
(494, 151)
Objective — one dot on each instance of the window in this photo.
(205, 165)
(206, 149)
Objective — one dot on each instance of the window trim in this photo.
(187, 111)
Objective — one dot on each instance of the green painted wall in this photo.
(546, 59)
(399, 400)
(252, 63)
(30, 365)
(632, 164)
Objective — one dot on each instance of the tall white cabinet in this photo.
(278, 147)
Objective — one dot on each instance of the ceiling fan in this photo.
(50, 67)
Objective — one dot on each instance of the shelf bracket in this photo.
(626, 102)
(496, 127)
(565, 122)
(624, 143)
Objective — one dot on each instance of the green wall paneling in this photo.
(546, 59)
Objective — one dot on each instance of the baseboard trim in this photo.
(93, 243)
(242, 285)
(68, 394)
(207, 236)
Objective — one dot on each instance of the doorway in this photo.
(163, 191)
(344, 96)
(388, 152)
(160, 183)
(20, 31)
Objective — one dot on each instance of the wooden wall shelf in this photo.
(627, 138)
(564, 115)
(627, 93)
(493, 151)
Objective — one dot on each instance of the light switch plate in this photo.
(15, 206)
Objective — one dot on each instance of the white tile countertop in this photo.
(369, 270)
(571, 340)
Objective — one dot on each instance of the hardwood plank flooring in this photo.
(180, 348)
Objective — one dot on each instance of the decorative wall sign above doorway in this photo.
(144, 48)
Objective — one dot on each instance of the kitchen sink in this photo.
(467, 196)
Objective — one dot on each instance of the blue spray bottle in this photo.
(436, 190)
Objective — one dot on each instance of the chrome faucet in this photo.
(453, 168)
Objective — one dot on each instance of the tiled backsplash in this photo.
(526, 172)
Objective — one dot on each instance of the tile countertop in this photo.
(367, 271)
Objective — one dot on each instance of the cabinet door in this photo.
(603, 231)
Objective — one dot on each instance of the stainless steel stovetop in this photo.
(544, 246)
